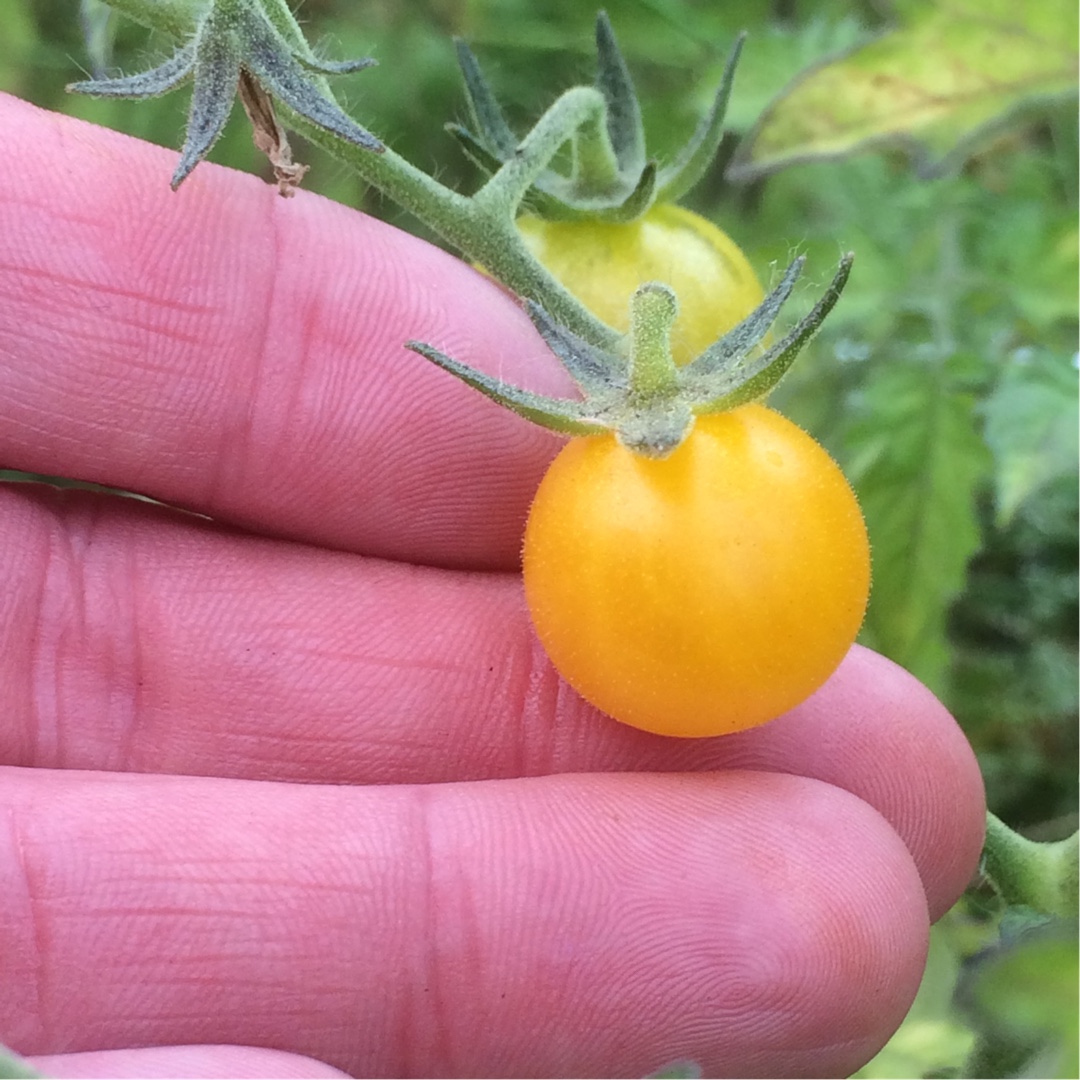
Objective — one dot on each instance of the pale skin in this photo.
(294, 790)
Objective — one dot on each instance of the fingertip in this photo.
(761, 924)
(926, 779)
(766, 924)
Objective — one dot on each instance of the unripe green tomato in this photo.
(602, 264)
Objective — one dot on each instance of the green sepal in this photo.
(625, 129)
(612, 178)
(278, 68)
(636, 203)
(495, 134)
(593, 369)
(336, 67)
(217, 75)
(235, 36)
(494, 142)
(639, 393)
(146, 84)
(557, 414)
(692, 161)
(759, 376)
(539, 200)
(475, 149)
(744, 336)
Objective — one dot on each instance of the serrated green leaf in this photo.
(916, 461)
(1032, 420)
(953, 74)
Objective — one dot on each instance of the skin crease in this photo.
(298, 780)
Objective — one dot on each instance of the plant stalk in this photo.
(482, 227)
(1042, 876)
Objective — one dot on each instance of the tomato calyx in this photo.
(235, 47)
(639, 392)
(612, 178)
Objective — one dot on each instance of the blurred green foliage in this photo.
(945, 382)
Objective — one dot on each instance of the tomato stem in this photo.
(595, 165)
(1043, 876)
(653, 374)
(481, 226)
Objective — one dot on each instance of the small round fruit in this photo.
(603, 263)
(701, 593)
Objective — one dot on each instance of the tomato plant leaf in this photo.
(916, 458)
(1032, 418)
(949, 77)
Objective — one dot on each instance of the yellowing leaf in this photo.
(952, 75)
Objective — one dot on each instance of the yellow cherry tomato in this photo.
(602, 264)
(701, 593)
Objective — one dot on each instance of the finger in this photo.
(238, 1062)
(242, 355)
(563, 926)
(66, 389)
(131, 639)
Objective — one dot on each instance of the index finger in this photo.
(241, 355)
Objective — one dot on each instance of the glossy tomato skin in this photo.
(602, 264)
(705, 592)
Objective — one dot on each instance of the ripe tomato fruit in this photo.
(701, 593)
(603, 263)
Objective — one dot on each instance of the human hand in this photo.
(299, 778)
